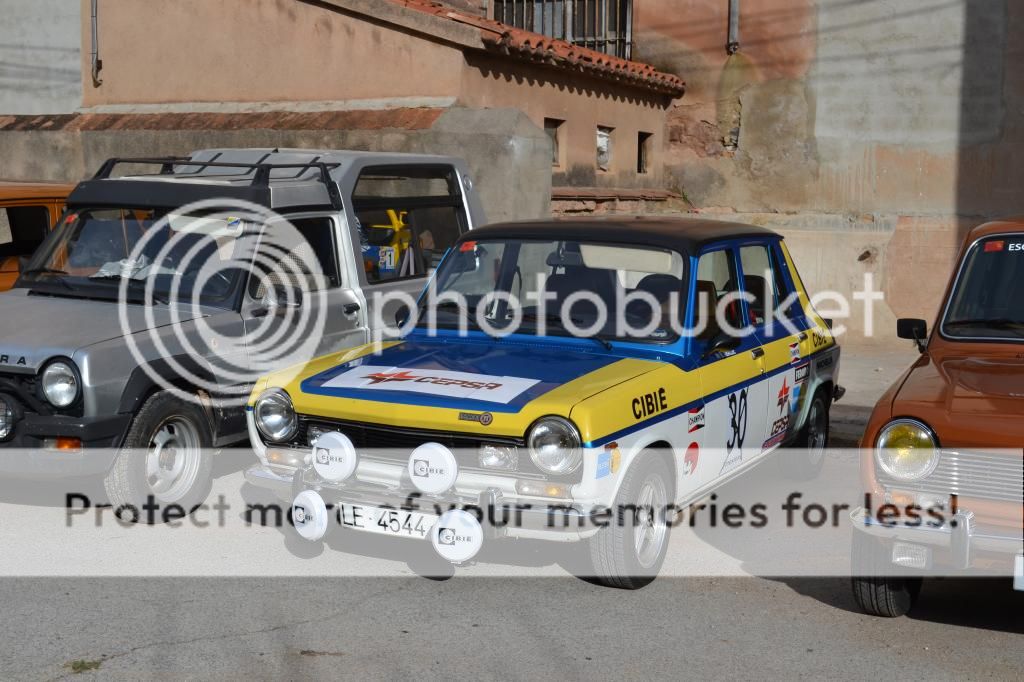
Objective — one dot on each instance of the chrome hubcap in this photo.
(650, 531)
(172, 463)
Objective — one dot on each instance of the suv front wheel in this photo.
(166, 456)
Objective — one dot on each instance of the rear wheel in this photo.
(803, 462)
(630, 551)
(876, 588)
(166, 456)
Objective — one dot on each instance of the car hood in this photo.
(36, 328)
(975, 402)
(465, 385)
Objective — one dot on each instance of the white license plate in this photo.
(385, 521)
(1018, 573)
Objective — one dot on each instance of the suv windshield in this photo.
(186, 257)
(565, 288)
(988, 299)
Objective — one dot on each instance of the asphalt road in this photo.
(475, 626)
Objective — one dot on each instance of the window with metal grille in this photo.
(602, 25)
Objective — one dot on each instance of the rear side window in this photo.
(407, 217)
(22, 229)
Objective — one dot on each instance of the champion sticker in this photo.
(495, 389)
(695, 419)
(794, 353)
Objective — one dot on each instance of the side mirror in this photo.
(401, 315)
(915, 330)
(720, 344)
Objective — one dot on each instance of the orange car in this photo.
(943, 458)
(28, 210)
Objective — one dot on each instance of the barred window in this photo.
(602, 25)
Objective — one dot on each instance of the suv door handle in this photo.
(350, 308)
(757, 353)
(260, 312)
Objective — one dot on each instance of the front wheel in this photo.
(876, 589)
(803, 462)
(166, 456)
(629, 552)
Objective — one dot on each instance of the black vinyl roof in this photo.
(685, 234)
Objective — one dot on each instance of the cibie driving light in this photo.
(60, 384)
(907, 450)
(555, 446)
(275, 416)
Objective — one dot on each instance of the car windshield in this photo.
(988, 298)
(559, 287)
(185, 257)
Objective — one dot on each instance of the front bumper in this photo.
(555, 519)
(961, 538)
(23, 454)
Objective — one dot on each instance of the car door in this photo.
(323, 313)
(782, 332)
(733, 379)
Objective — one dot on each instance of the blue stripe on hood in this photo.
(550, 366)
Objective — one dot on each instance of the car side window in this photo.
(787, 303)
(716, 282)
(23, 229)
(407, 218)
(760, 282)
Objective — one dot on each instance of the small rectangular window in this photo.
(643, 151)
(604, 147)
(407, 217)
(23, 229)
(553, 128)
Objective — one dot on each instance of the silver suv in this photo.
(133, 336)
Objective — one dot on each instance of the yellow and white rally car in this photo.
(572, 380)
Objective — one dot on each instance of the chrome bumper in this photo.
(960, 536)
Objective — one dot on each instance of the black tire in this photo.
(877, 590)
(129, 485)
(803, 459)
(614, 559)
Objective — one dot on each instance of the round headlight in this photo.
(907, 450)
(60, 384)
(275, 416)
(555, 446)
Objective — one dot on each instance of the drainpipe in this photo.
(734, 27)
(97, 63)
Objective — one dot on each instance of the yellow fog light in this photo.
(542, 489)
(907, 450)
(291, 458)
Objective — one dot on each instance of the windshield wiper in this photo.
(44, 271)
(552, 317)
(49, 271)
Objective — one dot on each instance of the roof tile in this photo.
(534, 47)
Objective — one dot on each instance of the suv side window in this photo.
(320, 246)
(407, 217)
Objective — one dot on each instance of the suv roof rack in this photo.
(260, 171)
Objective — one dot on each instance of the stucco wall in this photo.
(892, 124)
(199, 51)
(39, 56)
